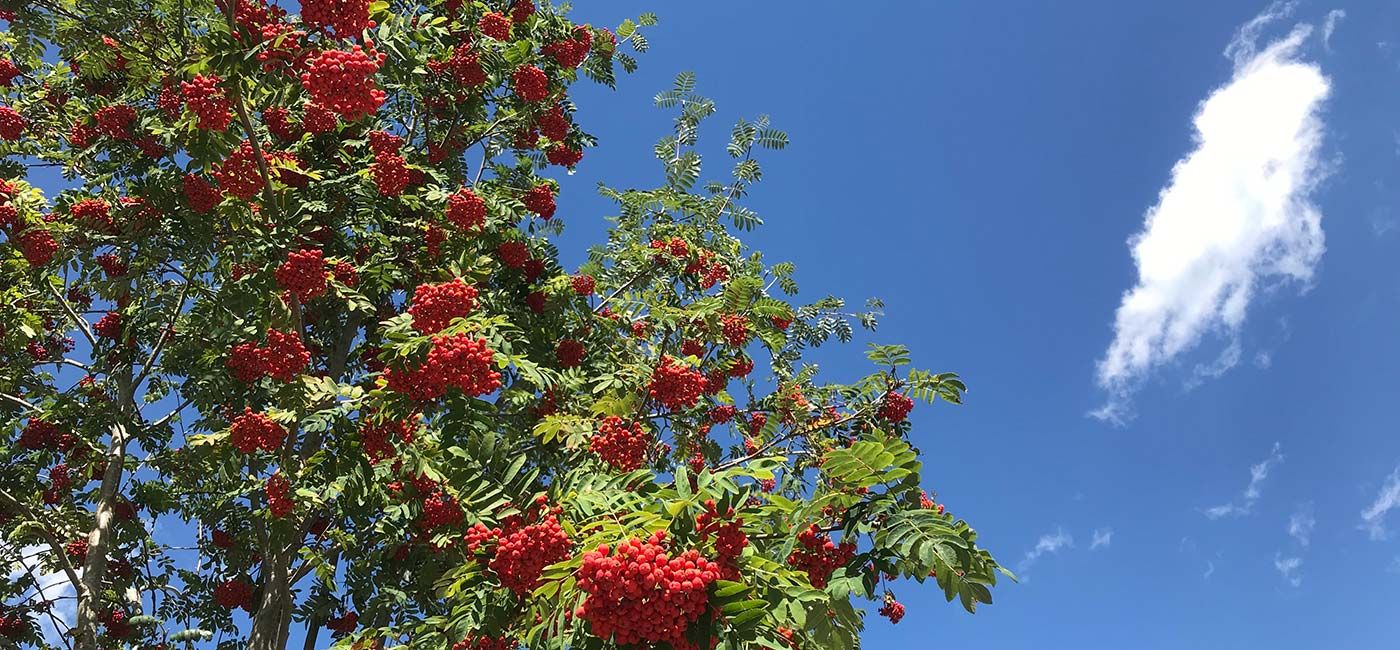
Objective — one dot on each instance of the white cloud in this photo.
(1301, 523)
(1373, 517)
(1244, 505)
(54, 587)
(1103, 537)
(1210, 570)
(1236, 215)
(1330, 26)
(1289, 568)
(1222, 364)
(1048, 543)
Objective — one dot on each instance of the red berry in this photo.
(435, 306)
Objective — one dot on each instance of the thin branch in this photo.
(20, 401)
(72, 315)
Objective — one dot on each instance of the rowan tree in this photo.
(290, 347)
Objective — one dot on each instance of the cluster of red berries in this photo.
(8, 72)
(279, 122)
(212, 109)
(892, 609)
(252, 431)
(95, 214)
(554, 125)
(283, 358)
(39, 434)
(463, 67)
(60, 481)
(303, 274)
(343, 624)
(389, 169)
(674, 385)
(563, 155)
(435, 306)
(115, 121)
(343, 81)
(583, 284)
(895, 407)
(621, 444)
(466, 210)
(278, 501)
(440, 511)
(14, 625)
(457, 361)
(519, 551)
(377, 439)
(639, 594)
(735, 328)
(11, 124)
(495, 25)
(531, 83)
(513, 253)
(676, 246)
(76, 551)
(238, 174)
(347, 18)
(37, 245)
(202, 196)
(570, 353)
(540, 200)
(730, 539)
(116, 626)
(234, 594)
(819, 556)
(318, 119)
(570, 53)
(109, 326)
(485, 643)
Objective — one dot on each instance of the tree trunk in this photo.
(98, 540)
(272, 621)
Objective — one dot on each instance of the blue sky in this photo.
(981, 166)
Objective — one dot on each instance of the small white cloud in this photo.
(55, 588)
(1048, 543)
(1229, 358)
(1103, 537)
(1301, 523)
(1210, 570)
(1289, 568)
(1373, 517)
(1264, 360)
(1330, 25)
(1245, 504)
(1237, 213)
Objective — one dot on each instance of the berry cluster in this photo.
(115, 121)
(39, 434)
(819, 556)
(212, 109)
(892, 609)
(343, 624)
(279, 122)
(303, 273)
(583, 284)
(435, 306)
(238, 174)
(37, 245)
(513, 253)
(735, 328)
(522, 550)
(554, 125)
(347, 18)
(278, 501)
(674, 385)
(495, 25)
(11, 124)
(94, 213)
(638, 594)
(343, 81)
(234, 594)
(540, 200)
(14, 626)
(252, 431)
(440, 510)
(109, 326)
(484, 643)
(466, 210)
(895, 407)
(621, 444)
(389, 169)
(531, 83)
(377, 439)
(563, 155)
(283, 358)
(570, 53)
(202, 196)
(570, 353)
(730, 539)
(457, 361)
(462, 66)
(318, 119)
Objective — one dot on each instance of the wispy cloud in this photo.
(1244, 505)
(54, 588)
(1290, 568)
(1210, 570)
(1330, 25)
(1301, 523)
(1103, 537)
(1048, 543)
(1373, 517)
(1237, 214)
